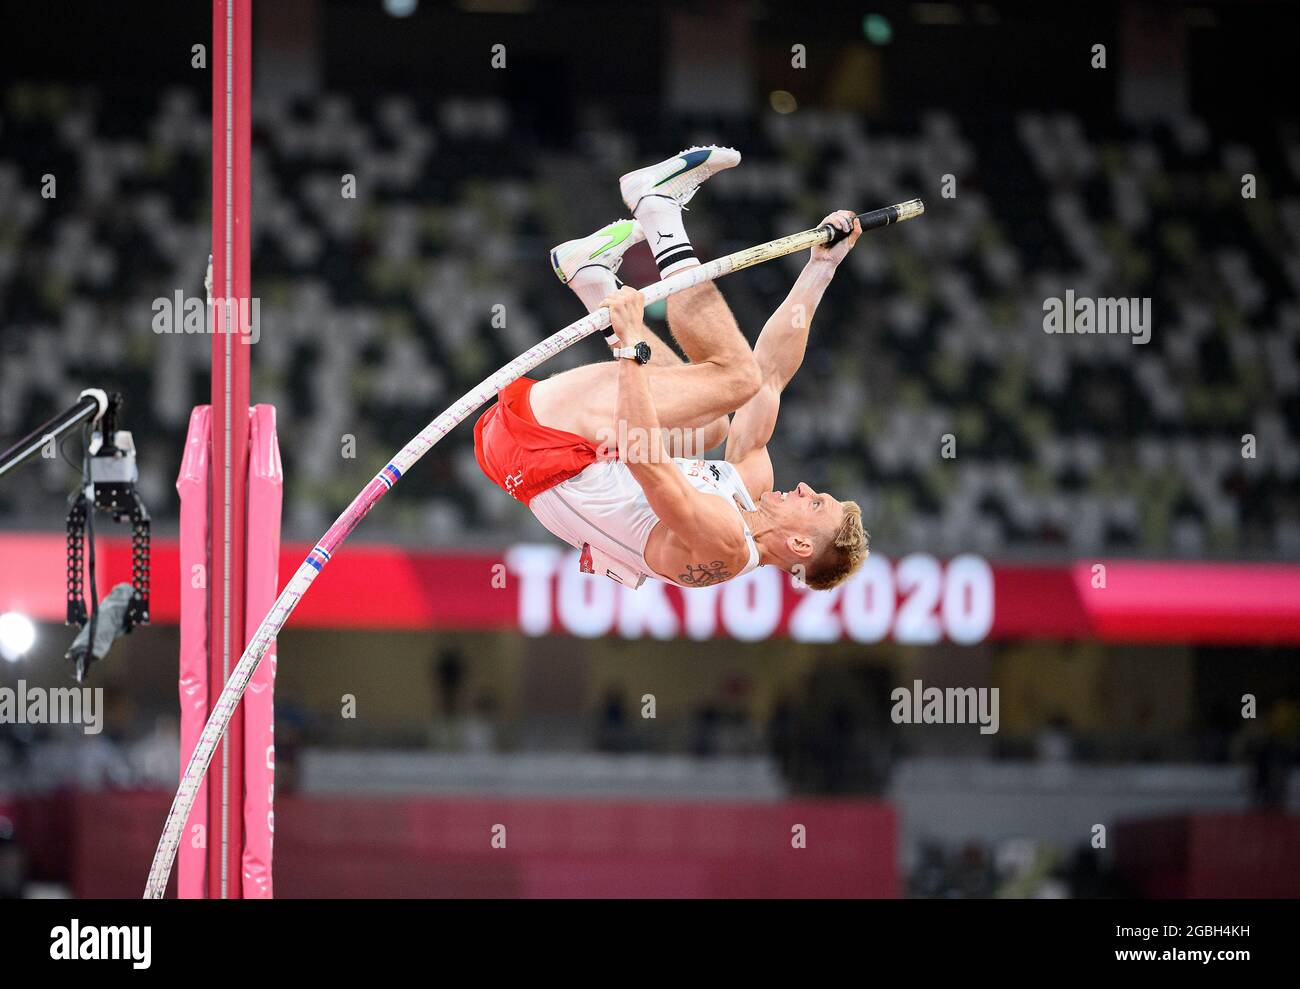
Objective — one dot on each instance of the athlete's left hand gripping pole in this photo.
(483, 392)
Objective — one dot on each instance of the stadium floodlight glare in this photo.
(877, 29)
(17, 635)
(783, 101)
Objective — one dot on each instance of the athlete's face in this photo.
(803, 510)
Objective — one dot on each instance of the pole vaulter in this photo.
(321, 554)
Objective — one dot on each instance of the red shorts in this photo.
(519, 454)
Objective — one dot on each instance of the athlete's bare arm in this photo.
(779, 353)
(699, 539)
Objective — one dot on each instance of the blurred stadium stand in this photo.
(377, 311)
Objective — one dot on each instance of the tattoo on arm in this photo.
(704, 574)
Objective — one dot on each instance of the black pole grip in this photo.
(876, 218)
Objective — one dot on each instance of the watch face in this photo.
(643, 353)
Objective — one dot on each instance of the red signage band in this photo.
(540, 589)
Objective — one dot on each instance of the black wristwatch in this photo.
(640, 353)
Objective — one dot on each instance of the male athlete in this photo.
(591, 451)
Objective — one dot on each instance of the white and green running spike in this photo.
(604, 248)
(676, 178)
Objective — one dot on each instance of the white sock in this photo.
(593, 285)
(661, 219)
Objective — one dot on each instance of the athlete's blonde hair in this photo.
(843, 553)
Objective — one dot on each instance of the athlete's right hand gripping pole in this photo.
(877, 218)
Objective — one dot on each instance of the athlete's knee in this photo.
(715, 433)
(743, 378)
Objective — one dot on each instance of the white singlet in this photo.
(604, 513)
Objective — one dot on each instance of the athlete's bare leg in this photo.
(582, 400)
(721, 377)
(702, 323)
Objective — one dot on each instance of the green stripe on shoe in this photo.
(617, 233)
